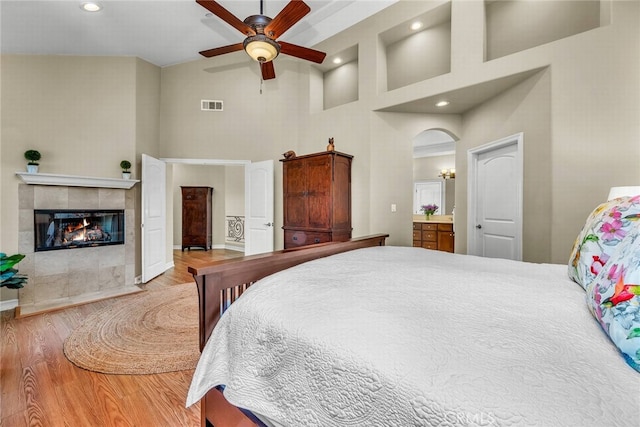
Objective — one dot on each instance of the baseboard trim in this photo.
(9, 304)
(232, 247)
(62, 303)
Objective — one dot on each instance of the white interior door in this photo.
(154, 212)
(495, 199)
(428, 192)
(258, 227)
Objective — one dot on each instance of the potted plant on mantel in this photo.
(126, 165)
(33, 156)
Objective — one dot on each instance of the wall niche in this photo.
(340, 78)
(418, 49)
(515, 25)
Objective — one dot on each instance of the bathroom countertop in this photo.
(436, 219)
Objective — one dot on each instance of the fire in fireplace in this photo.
(67, 229)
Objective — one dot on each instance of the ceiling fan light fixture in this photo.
(261, 48)
(90, 6)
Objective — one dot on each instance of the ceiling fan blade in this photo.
(222, 50)
(292, 13)
(302, 52)
(268, 72)
(222, 13)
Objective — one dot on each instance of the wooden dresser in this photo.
(317, 198)
(196, 217)
(433, 235)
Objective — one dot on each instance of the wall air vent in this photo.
(211, 105)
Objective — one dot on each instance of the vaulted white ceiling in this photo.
(163, 32)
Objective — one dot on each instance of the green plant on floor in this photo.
(9, 276)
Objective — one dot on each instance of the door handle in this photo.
(269, 224)
(479, 226)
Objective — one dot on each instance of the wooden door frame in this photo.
(472, 191)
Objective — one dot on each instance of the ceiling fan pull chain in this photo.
(261, 81)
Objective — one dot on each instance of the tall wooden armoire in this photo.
(317, 198)
(196, 217)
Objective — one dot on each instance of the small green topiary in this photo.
(33, 156)
(125, 165)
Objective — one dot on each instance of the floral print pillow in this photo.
(605, 228)
(614, 297)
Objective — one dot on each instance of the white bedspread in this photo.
(395, 336)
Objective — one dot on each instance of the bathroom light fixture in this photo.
(447, 173)
(90, 6)
(416, 25)
(337, 60)
(442, 103)
(261, 48)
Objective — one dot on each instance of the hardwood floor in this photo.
(40, 387)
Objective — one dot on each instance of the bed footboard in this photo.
(222, 282)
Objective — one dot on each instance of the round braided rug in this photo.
(149, 333)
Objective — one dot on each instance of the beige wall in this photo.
(147, 128)
(234, 190)
(524, 108)
(420, 56)
(79, 112)
(566, 112)
(341, 85)
(253, 126)
(430, 167)
(579, 116)
(513, 26)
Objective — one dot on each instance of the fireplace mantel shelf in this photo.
(75, 181)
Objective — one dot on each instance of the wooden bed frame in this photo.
(221, 283)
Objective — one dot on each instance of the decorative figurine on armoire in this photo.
(331, 147)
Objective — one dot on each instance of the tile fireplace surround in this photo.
(73, 276)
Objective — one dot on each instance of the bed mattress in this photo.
(396, 336)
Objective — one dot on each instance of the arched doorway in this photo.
(434, 167)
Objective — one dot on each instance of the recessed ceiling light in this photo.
(337, 60)
(90, 6)
(416, 25)
(442, 104)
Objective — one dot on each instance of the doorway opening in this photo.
(154, 189)
(433, 161)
